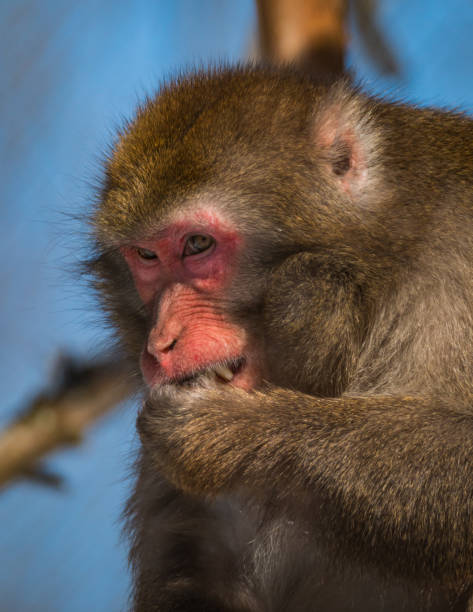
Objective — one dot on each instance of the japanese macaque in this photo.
(290, 266)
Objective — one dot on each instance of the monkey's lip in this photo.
(235, 371)
(223, 371)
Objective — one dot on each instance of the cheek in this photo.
(146, 276)
(146, 291)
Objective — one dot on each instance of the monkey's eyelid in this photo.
(146, 254)
(198, 243)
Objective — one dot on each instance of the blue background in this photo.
(69, 73)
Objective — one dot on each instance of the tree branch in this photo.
(60, 417)
(308, 32)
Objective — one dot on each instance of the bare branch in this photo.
(309, 32)
(60, 418)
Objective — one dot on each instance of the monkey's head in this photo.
(214, 184)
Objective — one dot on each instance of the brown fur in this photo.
(345, 481)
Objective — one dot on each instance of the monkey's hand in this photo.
(383, 466)
(206, 438)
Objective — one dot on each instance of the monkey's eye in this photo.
(146, 254)
(198, 244)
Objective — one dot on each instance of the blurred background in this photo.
(70, 72)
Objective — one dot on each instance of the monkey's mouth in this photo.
(240, 371)
(222, 372)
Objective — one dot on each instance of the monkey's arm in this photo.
(390, 476)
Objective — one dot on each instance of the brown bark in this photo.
(61, 418)
(308, 32)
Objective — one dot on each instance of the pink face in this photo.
(181, 276)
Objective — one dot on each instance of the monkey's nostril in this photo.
(161, 344)
(168, 348)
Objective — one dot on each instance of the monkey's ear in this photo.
(347, 141)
